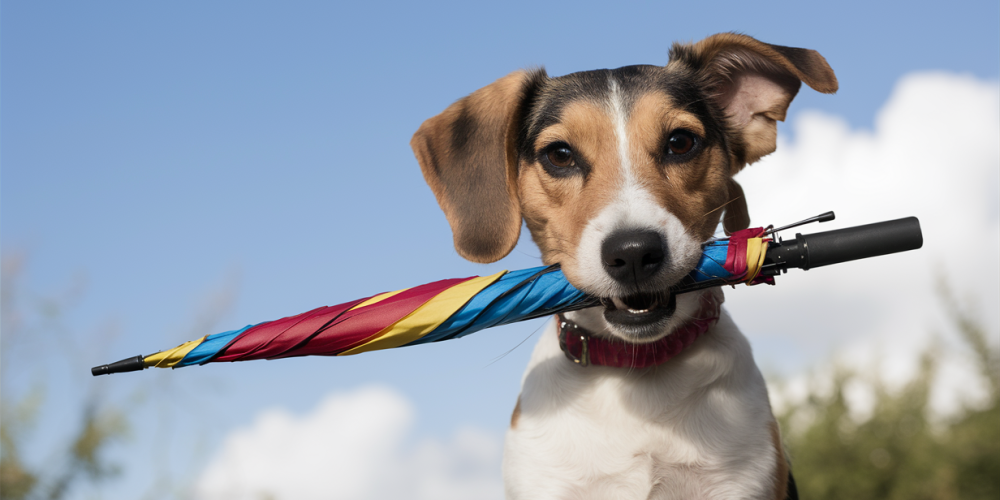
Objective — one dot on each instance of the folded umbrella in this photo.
(453, 308)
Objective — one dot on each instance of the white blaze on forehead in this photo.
(632, 207)
(620, 117)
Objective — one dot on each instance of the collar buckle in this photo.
(565, 326)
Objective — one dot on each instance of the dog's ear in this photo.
(737, 217)
(754, 82)
(468, 155)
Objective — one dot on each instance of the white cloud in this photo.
(352, 446)
(934, 153)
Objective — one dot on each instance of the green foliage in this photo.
(37, 346)
(16, 481)
(898, 452)
(84, 457)
(81, 458)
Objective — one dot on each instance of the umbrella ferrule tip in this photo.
(133, 364)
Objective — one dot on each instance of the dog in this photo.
(620, 176)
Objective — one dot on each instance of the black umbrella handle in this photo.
(808, 251)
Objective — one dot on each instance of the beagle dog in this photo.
(621, 175)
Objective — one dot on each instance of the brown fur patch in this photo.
(781, 470)
(690, 190)
(514, 417)
(737, 215)
(557, 209)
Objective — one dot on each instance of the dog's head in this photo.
(620, 174)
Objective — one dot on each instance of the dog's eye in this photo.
(559, 160)
(680, 142)
(561, 156)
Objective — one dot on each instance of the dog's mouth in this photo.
(640, 314)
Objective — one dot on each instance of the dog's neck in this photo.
(585, 348)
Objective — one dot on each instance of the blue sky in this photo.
(257, 153)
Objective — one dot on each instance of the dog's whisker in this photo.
(720, 207)
(498, 358)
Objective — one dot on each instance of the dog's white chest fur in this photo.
(698, 426)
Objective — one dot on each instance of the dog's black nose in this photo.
(632, 257)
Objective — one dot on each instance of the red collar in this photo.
(583, 348)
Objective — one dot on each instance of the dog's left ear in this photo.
(753, 82)
(468, 155)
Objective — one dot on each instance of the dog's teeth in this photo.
(646, 310)
(622, 306)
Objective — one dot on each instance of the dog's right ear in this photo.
(468, 155)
